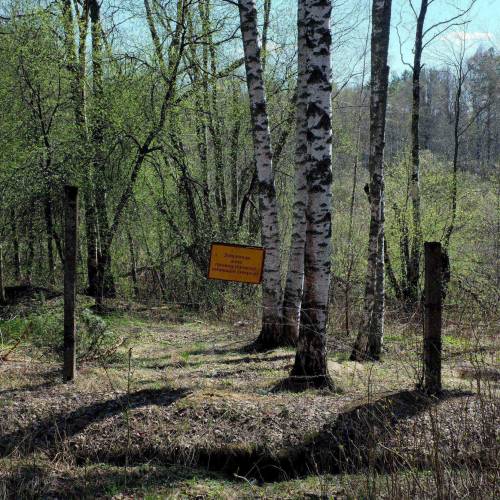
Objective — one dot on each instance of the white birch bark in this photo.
(271, 285)
(310, 360)
(369, 341)
(295, 277)
(378, 316)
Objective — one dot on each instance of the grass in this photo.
(159, 482)
(203, 411)
(11, 330)
(456, 342)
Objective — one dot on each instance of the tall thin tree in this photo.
(369, 342)
(295, 276)
(76, 62)
(271, 286)
(413, 272)
(423, 37)
(106, 286)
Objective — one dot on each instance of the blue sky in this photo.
(483, 29)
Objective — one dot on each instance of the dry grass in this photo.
(200, 406)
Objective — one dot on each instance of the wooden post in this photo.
(2, 284)
(433, 317)
(70, 250)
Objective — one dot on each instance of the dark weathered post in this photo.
(2, 286)
(433, 317)
(70, 250)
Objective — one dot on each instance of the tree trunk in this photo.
(413, 272)
(390, 272)
(162, 278)
(235, 168)
(310, 360)
(76, 56)
(271, 286)
(50, 232)
(369, 341)
(456, 148)
(133, 264)
(106, 285)
(295, 277)
(91, 237)
(30, 253)
(16, 259)
(210, 108)
(2, 282)
(376, 335)
(351, 255)
(70, 265)
(201, 124)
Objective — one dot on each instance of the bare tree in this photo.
(369, 342)
(423, 37)
(146, 145)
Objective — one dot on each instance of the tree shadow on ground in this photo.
(250, 359)
(237, 361)
(342, 445)
(52, 378)
(45, 434)
(347, 444)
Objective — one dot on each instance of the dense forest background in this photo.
(158, 137)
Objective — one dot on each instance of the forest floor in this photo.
(183, 409)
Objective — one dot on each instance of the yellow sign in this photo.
(236, 263)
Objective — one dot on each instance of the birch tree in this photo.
(310, 360)
(369, 342)
(295, 277)
(271, 285)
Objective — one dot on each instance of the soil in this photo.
(194, 397)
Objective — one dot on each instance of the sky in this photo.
(482, 30)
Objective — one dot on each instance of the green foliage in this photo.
(95, 340)
(472, 241)
(11, 330)
(47, 331)
(203, 152)
(44, 331)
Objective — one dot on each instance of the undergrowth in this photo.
(42, 331)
